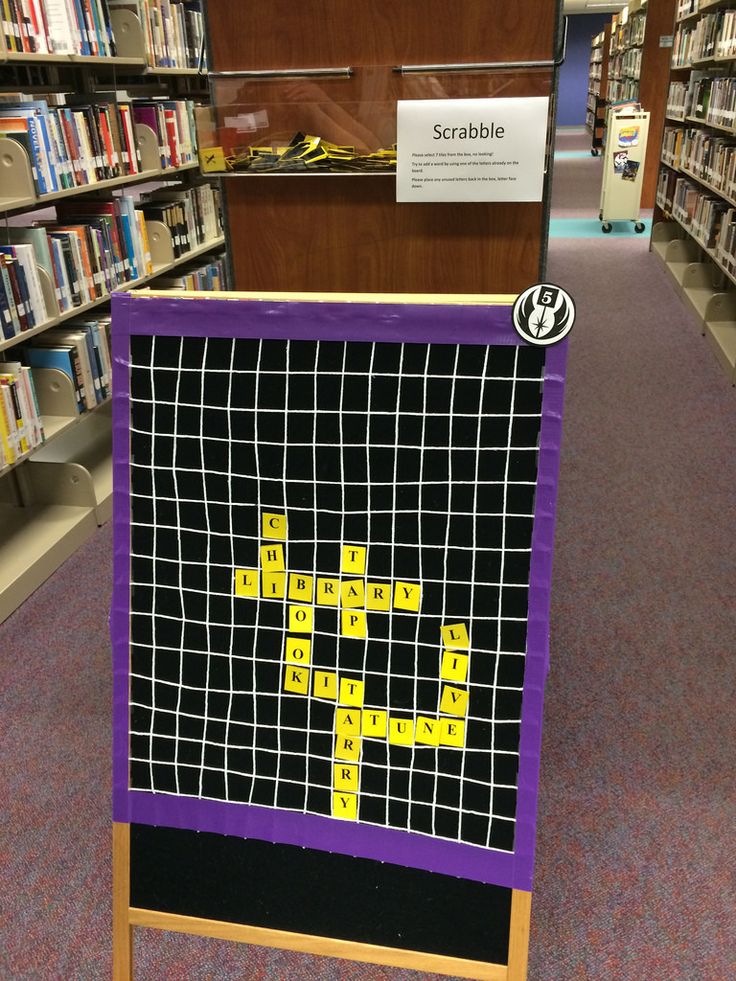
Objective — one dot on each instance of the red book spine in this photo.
(171, 136)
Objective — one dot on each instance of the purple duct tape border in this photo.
(439, 324)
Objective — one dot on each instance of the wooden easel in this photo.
(126, 918)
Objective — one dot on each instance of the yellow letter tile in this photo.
(452, 732)
(455, 637)
(454, 666)
(454, 701)
(273, 584)
(246, 582)
(428, 731)
(401, 731)
(351, 692)
(407, 596)
(347, 722)
(353, 623)
(378, 596)
(345, 776)
(296, 680)
(298, 650)
(274, 526)
(272, 558)
(325, 684)
(328, 592)
(374, 723)
(345, 806)
(353, 559)
(347, 748)
(300, 587)
(300, 619)
(352, 593)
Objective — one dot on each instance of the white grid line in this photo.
(181, 564)
(500, 592)
(443, 616)
(231, 665)
(447, 513)
(359, 445)
(399, 800)
(154, 621)
(208, 573)
(329, 573)
(320, 667)
(473, 614)
(364, 671)
(314, 575)
(259, 512)
(293, 696)
(421, 579)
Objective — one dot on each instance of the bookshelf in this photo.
(54, 495)
(598, 88)
(694, 230)
(638, 62)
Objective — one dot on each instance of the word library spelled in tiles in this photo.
(354, 597)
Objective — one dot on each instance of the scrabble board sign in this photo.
(333, 545)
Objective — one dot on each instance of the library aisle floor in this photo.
(637, 838)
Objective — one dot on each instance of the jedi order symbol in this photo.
(543, 314)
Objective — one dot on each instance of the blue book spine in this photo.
(125, 222)
(43, 125)
(25, 294)
(100, 361)
(99, 34)
(57, 260)
(6, 320)
(79, 12)
(60, 358)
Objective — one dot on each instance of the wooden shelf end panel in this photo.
(349, 235)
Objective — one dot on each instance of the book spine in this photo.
(8, 429)
(10, 384)
(10, 295)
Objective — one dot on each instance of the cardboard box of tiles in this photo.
(334, 524)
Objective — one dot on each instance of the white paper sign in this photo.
(471, 149)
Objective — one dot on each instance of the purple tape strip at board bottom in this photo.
(442, 324)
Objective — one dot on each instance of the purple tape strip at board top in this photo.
(327, 320)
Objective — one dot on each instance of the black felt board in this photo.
(301, 890)
(425, 480)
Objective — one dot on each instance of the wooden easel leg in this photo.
(521, 914)
(122, 931)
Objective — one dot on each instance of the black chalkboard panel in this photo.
(238, 880)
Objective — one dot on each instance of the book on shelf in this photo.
(68, 27)
(94, 247)
(192, 214)
(711, 36)
(89, 139)
(687, 7)
(666, 184)
(80, 349)
(21, 425)
(173, 31)
(204, 274)
(676, 97)
(174, 124)
(22, 302)
(726, 244)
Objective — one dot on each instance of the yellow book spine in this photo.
(11, 383)
(5, 430)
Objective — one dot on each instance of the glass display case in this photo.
(333, 120)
